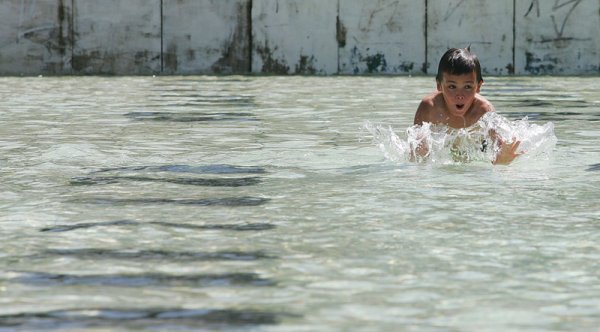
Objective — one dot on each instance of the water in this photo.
(264, 204)
(481, 142)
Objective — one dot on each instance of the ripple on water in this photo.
(159, 318)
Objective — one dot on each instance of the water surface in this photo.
(262, 203)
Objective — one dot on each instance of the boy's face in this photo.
(459, 91)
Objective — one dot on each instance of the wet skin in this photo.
(458, 104)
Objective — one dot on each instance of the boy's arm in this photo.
(421, 116)
(422, 112)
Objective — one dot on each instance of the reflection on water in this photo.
(208, 169)
(165, 174)
(190, 116)
(261, 203)
(241, 227)
(227, 201)
(595, 167)
(77, 181)
(140, 319)
(159, 254)
(143, 280)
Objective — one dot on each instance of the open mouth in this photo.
(460, 106)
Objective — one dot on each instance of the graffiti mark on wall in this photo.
(560, 14)
(452, 9)
(385, 15)
(534, 4)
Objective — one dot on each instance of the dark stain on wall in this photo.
(170, 58)
(81, 61)
(540, 65)
(305, 65)
(55, 38)
(236, 56)
(376, 63)
(341, 32)
(95, 62)
(58, 40)
(191, 55)
(62, 41)
(142, 58)
(406, 66)
(270, 64)
(424, 67)
(510, 68)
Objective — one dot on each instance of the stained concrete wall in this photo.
(486, 25)
(383, 36)
(35, 37)
(557, 37)
(295, 36)
(116, 36)
(206, 36)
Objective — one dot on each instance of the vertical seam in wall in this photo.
(250, 46)
(514, 41)
(337, 27)
(72, 32)
(425, 64)
(162, 36)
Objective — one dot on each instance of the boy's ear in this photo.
(439, 86)
(479, 86)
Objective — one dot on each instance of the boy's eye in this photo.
(468, 87)
(451, 86)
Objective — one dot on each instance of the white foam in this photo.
(446, 145)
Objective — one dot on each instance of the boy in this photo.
(457, 102)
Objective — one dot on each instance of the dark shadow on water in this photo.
(162, 319)
(227, 201)
(207, 169)
(225, 182)
(163, 255)
(225, 227)
(548, 103)
(193, 98)
(594, 168)
(554, 116)
(144, 280)
(191, 116)
(66, 228)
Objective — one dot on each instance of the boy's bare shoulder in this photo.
(483, 104)
(431, 99)
(428, 109)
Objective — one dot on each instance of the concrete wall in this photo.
(382, 36)
(486, 25)
(295, 36)
(116, 36)
(35, 37)
(558, 37)
(206, 36)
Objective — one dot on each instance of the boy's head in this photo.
(459, 61)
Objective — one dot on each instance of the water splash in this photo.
(480, 142)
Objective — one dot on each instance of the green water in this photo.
(263, 204)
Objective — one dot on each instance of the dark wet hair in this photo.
(459, 61)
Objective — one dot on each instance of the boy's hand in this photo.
(420, 152)
(507, 153)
